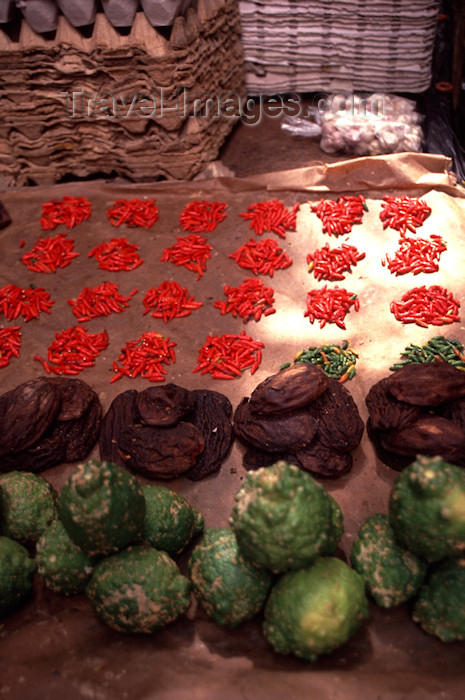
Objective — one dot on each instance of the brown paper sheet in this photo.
(55, 647)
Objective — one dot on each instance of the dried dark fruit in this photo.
(163, 405)
(81, 435)
(386, 412)
(320, 460)
(429, 435)
(76, 397)
(223, 400)
(121, 413)
(289, 431)
(25, 414)
(391, 459)
(455, 412)
(256, 459)
(214, 424)
(340, 426)
(163, 453)
(426, 383)
(291, 388)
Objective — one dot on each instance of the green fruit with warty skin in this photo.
(16, 571)
(440, 604)
(27, 506)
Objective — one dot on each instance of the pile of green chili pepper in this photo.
(336, 361)
(438, 348)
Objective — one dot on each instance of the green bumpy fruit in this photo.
(229, 587)
(336, 529)
(27, 506)
(170, 521)
(392, 573)
(440, 605)
(63, 565)
(138, 590)
(16, 570)
(427, 508)
(315, 610)
(282, 517)
(102, 507)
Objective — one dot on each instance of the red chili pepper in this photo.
(261, 257)
(10, 343)
(202, 216)
(330, 305)
(403, 213)
(70, 211)
(192, 252)
(427, 306)
(339, 216)
(271, 217)
(330, 264)
(146, 357)
(49, 254)
(73, 350)
(228, 355)
(416, 255)
(169, 300)
(99, 301)
(249, 300)
(133, 212)
(28, 302)
(116, 255)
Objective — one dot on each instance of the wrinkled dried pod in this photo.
(76, 397)
(214, 424)
(391, 459)
(426, 383)
(340, 426)
(163, 453)
(163, 405)
(386, 412)
(454, 411)
(274, 432)
(291, 388)
(121, 413)
(256, 459)
(80, 435)
(320, 460)
(222, 400)
(26, 412)
(428, 435)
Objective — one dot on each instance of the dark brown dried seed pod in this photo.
(340, 426)
(291, 388)
(428, 435)
(274, 432)
(76, 397)
(386, 412)
(163, 405)
(426, 383)
(323, 461)
(256, 459)
(391, 459)
(121, 413)
(163, 453)
(80, 435)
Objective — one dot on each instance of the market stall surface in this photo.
(54, 646)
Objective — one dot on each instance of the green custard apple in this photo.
(440, 604)
(170, 523)
(427, 508)
(282, 517)
(64, 566)
(138, 590)
(16, 572)
(316, 609)
(230, 588)
(336, 529)
(102, 507)
(27, 506)
(392, 573)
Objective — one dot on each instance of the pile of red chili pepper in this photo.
(169, 300)
(227, 356)
(416, 255)
(117, 254)
(339, 216)
(330, 305)
(27, 302)
(192, 252)
(427, 305)
(330, 264)
(202, 216)
(271, 217)
(403, 213)
(70, 211)
(146, 357)
(10, 343)
(49, 254)
(73, 350)
(133, 212)
(249, 300)
(102, 300)
(262, 257)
